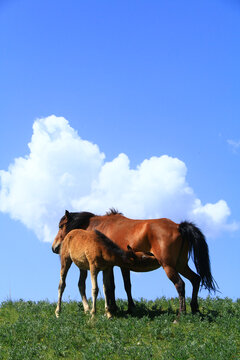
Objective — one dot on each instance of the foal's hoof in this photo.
(108, 315)
(92, 313)
(57, 314)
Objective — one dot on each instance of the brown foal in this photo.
(92, 250)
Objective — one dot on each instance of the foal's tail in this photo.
(198, 250)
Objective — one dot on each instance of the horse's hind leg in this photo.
(195, 280)
(173, 275)
(82, 289)
(127, 286)
(65, 265)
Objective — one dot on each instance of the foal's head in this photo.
(130, 254)
(62, 232)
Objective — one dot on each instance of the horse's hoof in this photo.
(196, 311)
(132, 310)
(114, 308)
(57, 314)
(175, 322)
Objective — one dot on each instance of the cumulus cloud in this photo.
(63, 171)
(234, 144)
(60, 167)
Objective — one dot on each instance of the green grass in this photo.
(29, 330)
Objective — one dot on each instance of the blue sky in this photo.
(144, 79)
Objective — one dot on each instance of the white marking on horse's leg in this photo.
(61, 287)
(94, 274)
(82, 289)
(60, 292)
(65, 265)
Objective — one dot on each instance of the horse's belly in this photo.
(145, 263)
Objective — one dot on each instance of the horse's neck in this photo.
(105, 220)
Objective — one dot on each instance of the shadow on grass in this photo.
(210, 315)
(141, 310)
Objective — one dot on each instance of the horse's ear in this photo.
(129, 247)
(67, 214)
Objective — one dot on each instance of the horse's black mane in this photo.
(80, 220)
(113, 211)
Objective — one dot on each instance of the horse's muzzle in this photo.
(56, 249)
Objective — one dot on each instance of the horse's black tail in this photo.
(198, 250)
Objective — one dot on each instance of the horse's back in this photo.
(139, 234)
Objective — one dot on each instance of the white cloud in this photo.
(62, 171)
(59, 168)
(234, 144)
(213, 217)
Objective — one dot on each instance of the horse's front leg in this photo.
(65, 265)
(82, 289)
(107, 290)
(111, 297)
(127, 286)
(94, 273)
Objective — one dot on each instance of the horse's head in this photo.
(62, 232)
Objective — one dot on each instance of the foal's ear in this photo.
(67, 214)
(132, 253)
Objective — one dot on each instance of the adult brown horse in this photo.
(169, 242)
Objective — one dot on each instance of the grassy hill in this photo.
(30, 330)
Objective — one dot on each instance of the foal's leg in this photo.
(107, 290)
(94, 273)
(195, 280)
(82, 289)
(127, 286)
(65, 265)
(179, 285)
